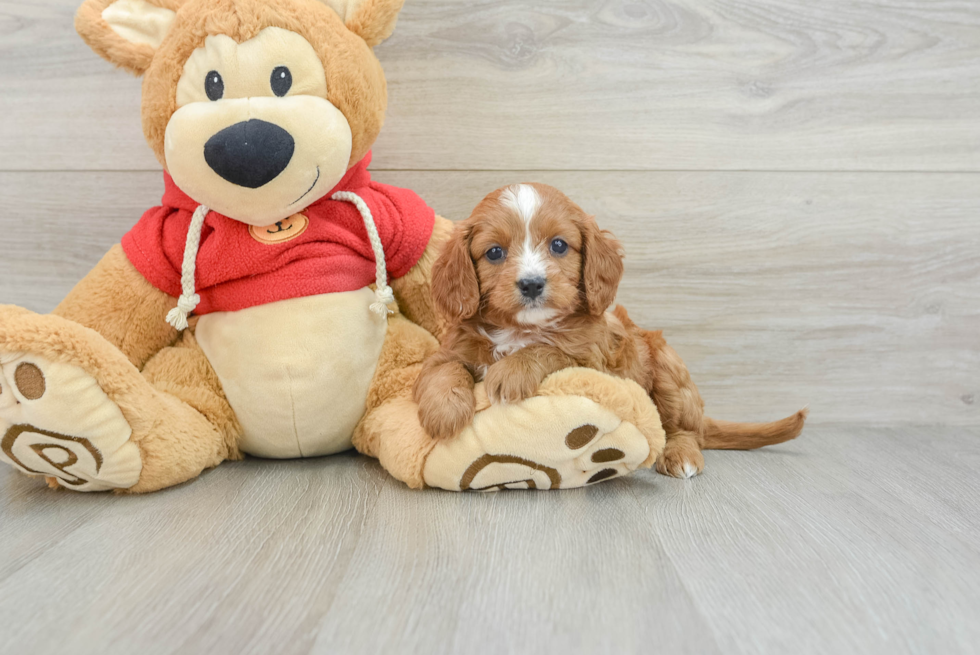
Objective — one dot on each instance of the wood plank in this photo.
(581, 85)
(855, 294)
(512, 573)
(64, 107)
(846, 540)
(254, 549)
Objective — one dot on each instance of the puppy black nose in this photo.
(531, 287)
(251, 153)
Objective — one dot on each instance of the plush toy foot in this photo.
(582, 427)
(55, 418)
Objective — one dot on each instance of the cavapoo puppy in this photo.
(525, 283)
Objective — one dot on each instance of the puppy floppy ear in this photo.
(602, 266)
(455, 288)
(126, 32)
(372, 20)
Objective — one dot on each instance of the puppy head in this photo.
(256, 108)
(527, 256)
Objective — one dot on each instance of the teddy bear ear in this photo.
(126, 32)
(372, 20)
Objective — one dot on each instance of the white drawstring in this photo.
(384, 292)
(189, 299)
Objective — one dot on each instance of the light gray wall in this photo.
(801, 201)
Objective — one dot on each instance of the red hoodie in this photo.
(235, 270)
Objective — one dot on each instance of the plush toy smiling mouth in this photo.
(252, 154)
(312, 186)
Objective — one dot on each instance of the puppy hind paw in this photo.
(680, 461)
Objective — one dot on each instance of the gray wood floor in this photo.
(849, 540)
(797, 185)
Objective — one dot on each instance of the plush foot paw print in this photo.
(519, 473)
(57, 422)
(545, 442)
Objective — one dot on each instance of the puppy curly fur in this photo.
(524, 284)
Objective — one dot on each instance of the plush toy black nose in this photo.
(250, 154)
(531, 287)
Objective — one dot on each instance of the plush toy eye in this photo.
(282, 81)
(558, 247)
(495, 254)
(214, 86)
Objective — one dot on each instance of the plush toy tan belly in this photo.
(276, 303)
(296, 372)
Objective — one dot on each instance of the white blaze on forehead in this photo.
(524, 200)
(531, 263)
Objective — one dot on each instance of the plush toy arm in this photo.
(413, 291)
(116, 301)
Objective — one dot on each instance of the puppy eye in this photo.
(214, 86)
(495, 254)
(282, 81)
(558, 247)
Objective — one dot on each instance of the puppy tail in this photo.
(727, 435)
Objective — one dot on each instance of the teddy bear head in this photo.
(256, 108)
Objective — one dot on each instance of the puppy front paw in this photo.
(444, 417)
(509, 383)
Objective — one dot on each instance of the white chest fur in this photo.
(507, 341)
(296, 372)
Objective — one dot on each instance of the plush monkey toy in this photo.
(277, 302)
